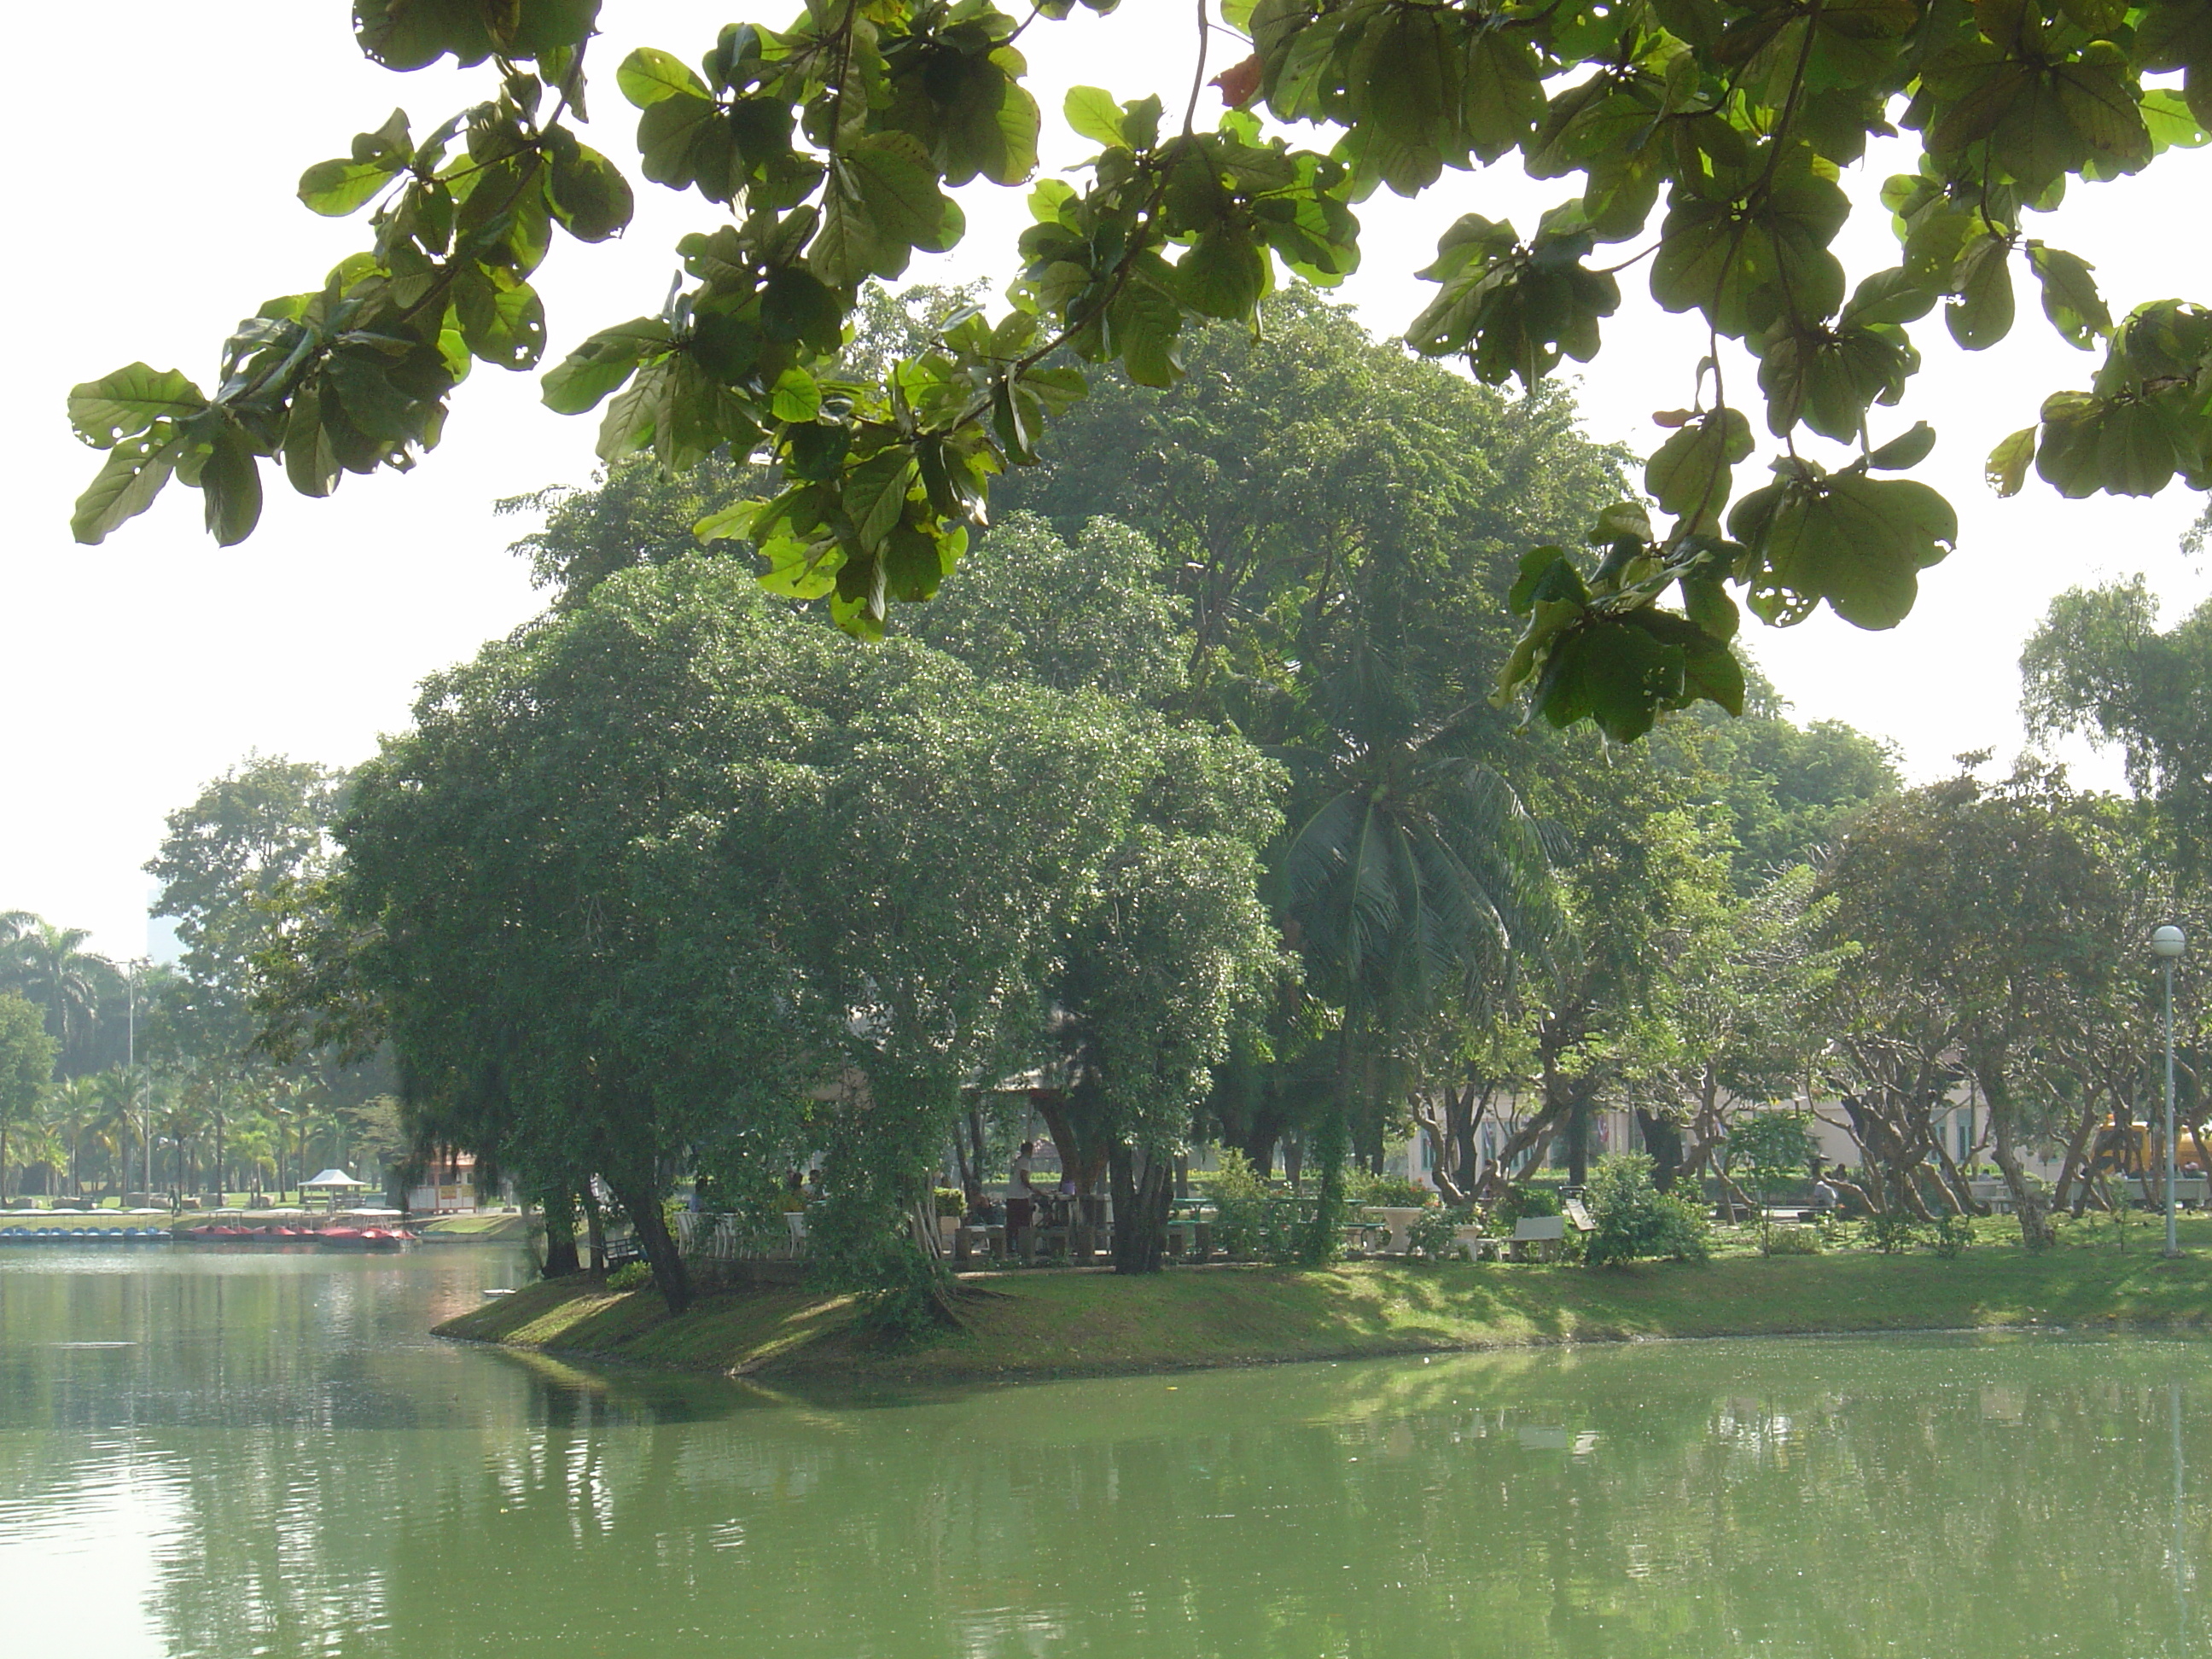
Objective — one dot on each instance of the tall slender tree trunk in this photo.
(2027, 1207)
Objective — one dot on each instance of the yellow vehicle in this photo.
(2138, 1150)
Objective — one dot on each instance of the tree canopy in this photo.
(588, 891)
(828, 146)
(2099, 666)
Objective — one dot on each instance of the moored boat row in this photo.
(335, 1238)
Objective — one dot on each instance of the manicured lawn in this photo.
(1049, 1323)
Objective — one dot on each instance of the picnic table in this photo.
(1397, 1220)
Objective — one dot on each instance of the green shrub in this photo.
(1433, 1231)
(1792, 1240)
(630, 1276)
(1395, 1192)
(951, 1201)
(1953, 1233)
(1892, 1233)
(1251, 1220)
(1636, 1219)
(1520, 1200)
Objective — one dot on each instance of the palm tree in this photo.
(1413, 885)
(119, 1124)
(59, 977)
(72, 1107)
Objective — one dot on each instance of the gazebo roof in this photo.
(334, 1178)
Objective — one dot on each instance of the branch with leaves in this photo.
(828, 147)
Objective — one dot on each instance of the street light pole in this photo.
(130, 1070)
(2168, 942)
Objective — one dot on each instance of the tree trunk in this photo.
(1438, 1136)
(1581, 1117)
(1332, 1145)
(672, 1275)
(2069, 1172)
(1474, 1107)
(1955, 1186)
(971, 1182)
(1259, 1143)
(559, 1208)
(1534, 1134)
(1141, 1190)
(2035, 1233)
(976, 1151)
(1663, 1139)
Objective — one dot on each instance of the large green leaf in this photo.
(1857, 542)
(136, 468)
(1688, 476)
(588, 194)
(1981, 314)
(603, 363)
(1094, 114)
(2070, 299)
(2006, 470)
(649, 75)
(502, 317)
(230, 486)
(880, 202)
(1225, 274)
(127, 401)
(335, 189)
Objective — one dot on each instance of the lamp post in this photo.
(2168, 943)
(131, 1071)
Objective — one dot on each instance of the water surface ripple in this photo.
(209, 1455)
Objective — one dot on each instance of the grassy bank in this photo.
(483, 1228)
(1040, 1323)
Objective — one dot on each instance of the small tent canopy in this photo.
(329, 1184)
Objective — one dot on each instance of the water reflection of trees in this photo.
(1621, 1505)
(1829, 1499)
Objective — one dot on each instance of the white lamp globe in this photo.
(2168, 941)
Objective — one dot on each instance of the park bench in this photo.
(1543, 1231)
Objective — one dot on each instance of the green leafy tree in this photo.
(1635, 1220)
(1708, 138)
(223, 859)
(1774, 1148)
(26, 1071)
(1980, 910)
(2099, 664)
(1735, 1015)
(584, 891)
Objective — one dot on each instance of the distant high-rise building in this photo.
(163, 945)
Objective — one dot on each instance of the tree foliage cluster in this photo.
(587, 890)
(147, 1075)
(1463, 917)
(1702, 139)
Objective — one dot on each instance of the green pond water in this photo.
(220, 1454)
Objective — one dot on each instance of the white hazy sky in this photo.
(155, 209)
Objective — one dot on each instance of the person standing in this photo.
(1021, 1197)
